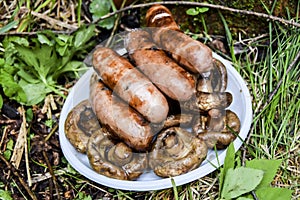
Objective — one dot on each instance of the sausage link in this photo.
(192, 54)
(114, 114)
(130, 84)
(165, 73)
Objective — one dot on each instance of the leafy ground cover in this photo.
(33, 91)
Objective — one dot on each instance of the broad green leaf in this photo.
(83, 35)
(71, 66)
(228, 164)
(270, 193)
(27, 76)
(244, 198)
(202, 9)
(240, 181)
(269, 167)
(29, 115)
(1, 101)
(11, 88)
(62, 40)
(27, 55)
(99, 8)
(2, 62)
(107, 23)
(192, 11)
(7, 154)
(10, 145)
(44, 40)
(35, 93)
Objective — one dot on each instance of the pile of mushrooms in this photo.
(177, 144)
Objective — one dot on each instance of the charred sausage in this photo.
(114, 114)
(192, 54)
(165, 73)
(130, 84)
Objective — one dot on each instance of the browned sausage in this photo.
(117, 116)
(165, 73)
(192, 54)
(130, 84)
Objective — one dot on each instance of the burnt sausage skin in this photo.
(165, 73)
(130, 84)
(192, 54)
(114, 114)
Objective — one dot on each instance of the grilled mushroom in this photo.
(115, 159)
(80, 124)
(219, 128)
(214, 80)
(207, 101)
(176, 151)
(219, 76)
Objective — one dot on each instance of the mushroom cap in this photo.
(115, 159)
(80, 124)
(176, 151)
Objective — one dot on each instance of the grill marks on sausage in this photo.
(130, 84)
(164, 72)
(118, 117)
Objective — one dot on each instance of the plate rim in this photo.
(163, 183)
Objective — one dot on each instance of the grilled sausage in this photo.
(130, 84)
(165, 73)
(114, 114)
(192, 54)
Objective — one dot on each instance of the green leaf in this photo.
(228, 164)
(44, 40)
(9, 26)
(83, 35)
(27, 76)
(35, 93)
(244, 198)
(7, 154)
(5, 195)
(10, 144)
(29, 115)
(270, 193)
(11, 88)
(269, 167)
(202, 9)
(192, 11)
(107, 23)
(1, 101)
(71, 66)
(240, 181)
(43, 59)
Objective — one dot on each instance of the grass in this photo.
(275, 131)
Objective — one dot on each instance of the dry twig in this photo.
(16, 173)
(187, 3)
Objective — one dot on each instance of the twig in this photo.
(246, 12)
(115, 27)
(51, 133)
(36, 32)
(20, 143)
(52, 174)
(15, 172)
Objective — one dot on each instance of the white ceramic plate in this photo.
(241, 105)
